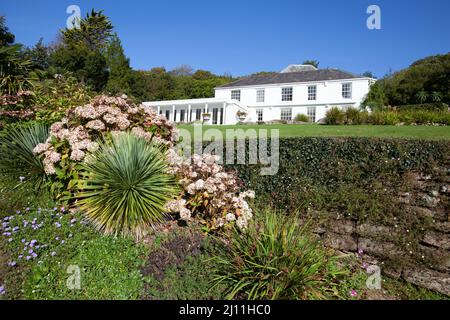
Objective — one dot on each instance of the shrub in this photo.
(352, 116)
(436, 107)
(275, 258)
(125, 186)
(209, 193)
(85, 126)
(16, 152)
(301, 117)
(334, 116)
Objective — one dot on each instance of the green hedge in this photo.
(356, 176)
(424, 107)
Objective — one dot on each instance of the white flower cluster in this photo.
(208, 192)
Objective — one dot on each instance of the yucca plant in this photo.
(125, 186)
(275, 258)
(16, 152)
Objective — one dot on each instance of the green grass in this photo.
(315, 130)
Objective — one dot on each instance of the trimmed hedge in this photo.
(356, 176)
(424, 107)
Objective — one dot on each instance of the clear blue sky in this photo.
(242, 37)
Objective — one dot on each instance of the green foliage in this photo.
(126, 187)
(301, 117)
(334, 116)
(426, 80)
(423, 107)
(16, 152)
(356, 176)
(355, 116)
(53, 97)
(119, 68)
(94, 32)
(6, 37)
(14, 71)
(314, 63)
(276, 258)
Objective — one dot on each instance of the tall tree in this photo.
(6, 37)
(82, 50)
(94, 32)
(119, 67)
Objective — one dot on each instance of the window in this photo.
(286, 114)
(347, 90)
(259, 115)
(236, 95)
(312, 93)
(198, 113)
(260, 95)
(286, 94)
(311, 113)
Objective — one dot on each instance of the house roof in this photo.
(291, 77)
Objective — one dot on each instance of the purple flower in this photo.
(353, 293)
(10, 239)
(30, 251)
(2, 290)
(57, 238)
(62, 241)
(73, 220)
(7, 234)
(364, 265)
(53, 253)
(18, 211)
(34, 254)
(63, 209)
(11, 263)
(55, 208)
(15, 229)
(27, 209)
(20, 256)
(28, 257)
(58, 225)
(360, 251)
(33, 242)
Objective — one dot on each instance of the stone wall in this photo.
(417, 251)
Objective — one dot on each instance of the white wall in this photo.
(329, 93)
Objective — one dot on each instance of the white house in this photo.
(298, 89)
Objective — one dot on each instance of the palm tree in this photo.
(421, 96)
(436, 96)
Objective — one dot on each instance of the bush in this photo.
(301, 118)
(125, 186)
(434, 107)
(16, 152)
(335, 116)
(275, 258)
(352, 116)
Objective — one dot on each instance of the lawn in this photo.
(295, 130)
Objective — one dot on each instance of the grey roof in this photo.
(291, 77)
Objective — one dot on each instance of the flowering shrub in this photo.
(209, 193)
(83, 126)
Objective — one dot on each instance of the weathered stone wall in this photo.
(420, 255)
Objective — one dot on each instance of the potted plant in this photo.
(206, 116)
(241, 115)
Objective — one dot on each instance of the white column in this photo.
(206, 108)
(173, 113)
(188, 116)
(224, 113)
(159, 108)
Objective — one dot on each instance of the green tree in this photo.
(6, 37)
(119, 67)
(82, 51)
(314, 63)
(436, 96)
(39, 55)
(94, 32)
